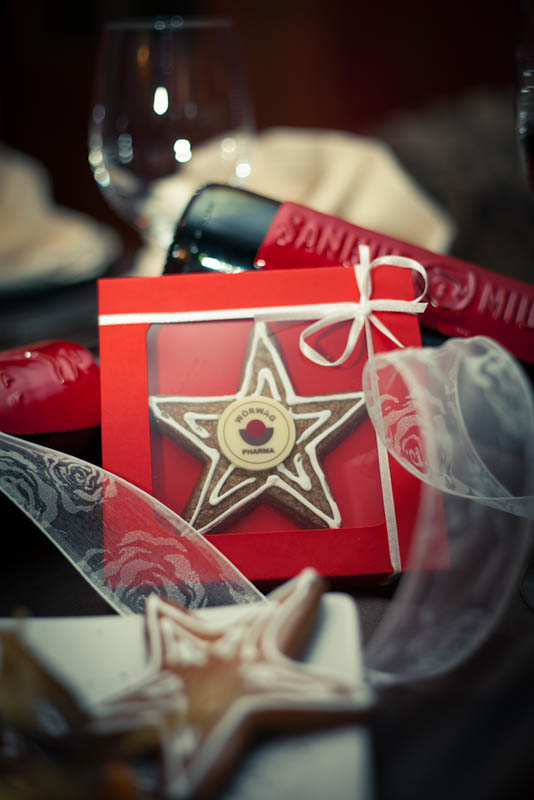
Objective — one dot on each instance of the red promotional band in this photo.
(464, 299)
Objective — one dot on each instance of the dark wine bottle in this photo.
(226, 229)
(220, 230)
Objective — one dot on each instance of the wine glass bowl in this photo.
(171, 112)
(525, 92)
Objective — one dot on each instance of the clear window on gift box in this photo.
(301, 455)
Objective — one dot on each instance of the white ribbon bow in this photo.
(363, 316)
(362, 313)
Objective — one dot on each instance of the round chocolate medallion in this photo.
(256, 433)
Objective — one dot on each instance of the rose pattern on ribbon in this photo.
(134, 571)
(403, 431)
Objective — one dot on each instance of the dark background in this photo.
(343, 65)
(436, 80)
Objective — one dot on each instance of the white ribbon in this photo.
(362, 312)
(363, 317)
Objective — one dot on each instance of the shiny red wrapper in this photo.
(48, 387)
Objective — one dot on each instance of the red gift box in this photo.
(176, 351)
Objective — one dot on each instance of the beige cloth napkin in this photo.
(41, 243)
(354, 177)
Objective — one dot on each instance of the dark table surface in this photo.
(470, 734)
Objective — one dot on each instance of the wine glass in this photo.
(172, 112)
(525, 92)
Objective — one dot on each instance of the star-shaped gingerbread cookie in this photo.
(262, 444)
(212, 685)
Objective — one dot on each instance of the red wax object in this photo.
(48, 387)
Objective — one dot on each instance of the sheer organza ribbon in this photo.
(122, 540)
(461, 418)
